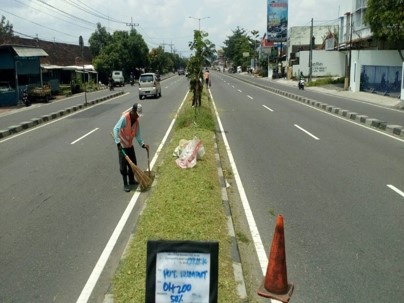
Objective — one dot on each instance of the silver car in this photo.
(149, 86)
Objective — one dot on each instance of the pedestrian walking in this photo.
(206, 77)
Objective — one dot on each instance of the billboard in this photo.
(277, 20)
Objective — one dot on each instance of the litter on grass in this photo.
(188, 152)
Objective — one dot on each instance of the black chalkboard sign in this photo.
(182, 271)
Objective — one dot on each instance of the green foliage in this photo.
(184, 204)
(119, 51)
(386, 20)
(237, 44)
(98, 40)
(200, 117)
(325, 81)
(128, 52)
(6, 28)
(204, 52)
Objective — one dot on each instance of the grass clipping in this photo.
(185, 204)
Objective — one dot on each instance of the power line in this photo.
(131, 24)
(84, 7)
(37, 23)
(36, 9)
(63, 12)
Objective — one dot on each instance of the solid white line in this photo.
(99, 267)
(250, 97)
(84, 136)
(396, 190)
(259, 247)
(57, 120)
(268, 108)
(303, 130)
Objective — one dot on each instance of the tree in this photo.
(236, 45)
(386, 20)
(6, 29)
(204, 52)
(98, 40)
(119, 51)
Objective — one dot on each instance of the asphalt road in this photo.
(339, 186)
(388, 115)
(61, 197)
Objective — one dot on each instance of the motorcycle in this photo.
(301, 84)
(132, 81)
(25, 98)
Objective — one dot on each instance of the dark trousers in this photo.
(124, 166)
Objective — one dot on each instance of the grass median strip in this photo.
(185, 204)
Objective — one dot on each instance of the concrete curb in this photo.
(46, 118)
(237, 265)
(397, 130)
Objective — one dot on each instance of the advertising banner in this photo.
(277, 20)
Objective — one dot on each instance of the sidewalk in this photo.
(337, 90)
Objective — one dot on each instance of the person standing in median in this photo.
(125, 130)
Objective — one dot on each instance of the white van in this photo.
(117, 77)
(149, 86)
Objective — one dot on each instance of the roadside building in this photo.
(19, 67)
(58, 65)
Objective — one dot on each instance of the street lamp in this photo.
(199, 20)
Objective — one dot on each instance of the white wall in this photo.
(325, 63)
(371, 57)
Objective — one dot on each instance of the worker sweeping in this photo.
(125, 130)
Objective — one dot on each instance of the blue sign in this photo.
(277, 20)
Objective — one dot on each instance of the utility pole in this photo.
(81, 44)
(169, 44)
(131, 24)
(311, 51)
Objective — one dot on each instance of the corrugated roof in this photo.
(23, 51)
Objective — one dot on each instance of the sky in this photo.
(166, 23)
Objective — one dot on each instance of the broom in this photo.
(143, 178)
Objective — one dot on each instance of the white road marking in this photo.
(99, 267)
(57, 120)
(268, 108)
(303, 130)
(250, 97)
(396, 190)
(240, 90)
(259, 247)
(82, 137)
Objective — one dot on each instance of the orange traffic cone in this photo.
(275, 284)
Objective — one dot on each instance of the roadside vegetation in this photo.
(184, 204)
(325, 81)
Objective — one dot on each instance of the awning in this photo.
(78, 68)
(23, 51)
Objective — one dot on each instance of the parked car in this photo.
(118, 78)
(149, 86)
(5, 86)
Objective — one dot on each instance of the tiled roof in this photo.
(59, 53)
